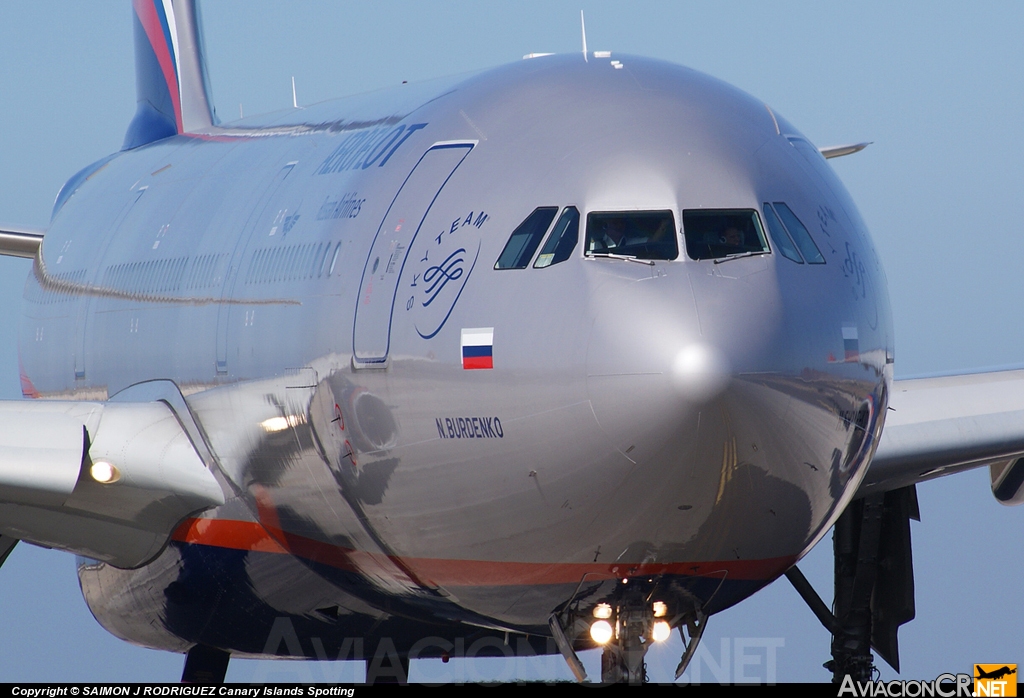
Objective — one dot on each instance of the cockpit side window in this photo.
(524, 240)
(638, 234)
(779, 235)
(799, 233)
(720, 233)
(562, 241)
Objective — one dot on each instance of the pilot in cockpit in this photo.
(732, 237)
(613, 235)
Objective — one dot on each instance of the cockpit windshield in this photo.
(720, 233)
(637, 234)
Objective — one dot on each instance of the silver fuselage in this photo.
(689, 423)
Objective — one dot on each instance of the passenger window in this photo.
(799, 233)
(638, 234)
(524, 240)
(779, 235)
(720, 233)
(562, 240)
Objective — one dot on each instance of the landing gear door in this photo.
(371, 332)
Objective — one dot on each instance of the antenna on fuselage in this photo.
(583, 29)
(295, 102)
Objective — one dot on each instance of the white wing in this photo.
(108, 480)
(939, 426)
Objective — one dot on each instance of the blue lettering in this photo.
(363, 148)
(346, 207)
(333, 161)
(408, 132)
(354, 151)
(395, 133)
(469, 427)
(480, 219)
(469, 219)
(373, 138)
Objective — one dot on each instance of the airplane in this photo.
(995, 673)
(731, 262)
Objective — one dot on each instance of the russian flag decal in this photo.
(477, 347)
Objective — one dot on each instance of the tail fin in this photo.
(171, 84)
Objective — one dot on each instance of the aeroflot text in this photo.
(246, 692)
(942, 687)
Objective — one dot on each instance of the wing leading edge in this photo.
(943, 425)
(110, 481)
(20, 242)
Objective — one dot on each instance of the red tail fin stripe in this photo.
(147, 13)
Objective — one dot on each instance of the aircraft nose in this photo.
(659, 353)
(737, 441)
(719, 450)
(699, 372)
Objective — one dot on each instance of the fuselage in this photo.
(325, 286)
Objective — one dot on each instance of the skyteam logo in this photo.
(442, 267)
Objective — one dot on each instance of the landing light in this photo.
(275, 424)
(601, 631)
(660, 609)
(602, 610)
(104, 473)
(660, 631)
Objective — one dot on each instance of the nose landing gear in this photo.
(622, 660)
(624, 627)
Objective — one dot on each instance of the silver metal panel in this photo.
(20, 242)
(692, 419)
(49, 496)
(938, 426)
(40, 456)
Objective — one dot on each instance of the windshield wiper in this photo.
(738, 255)
(626, 257)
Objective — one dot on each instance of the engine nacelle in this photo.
(110, 481)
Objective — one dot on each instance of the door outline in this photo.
(232, 272)
(382, 361)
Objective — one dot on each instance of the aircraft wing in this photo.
(838, 151)
(16, 241)
(939, 426)
(108, 480)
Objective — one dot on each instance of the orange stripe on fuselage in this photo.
(248, 535)
(226, 533)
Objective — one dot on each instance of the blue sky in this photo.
(936, 86)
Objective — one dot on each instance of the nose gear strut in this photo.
(622, 660)
(624, 625)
